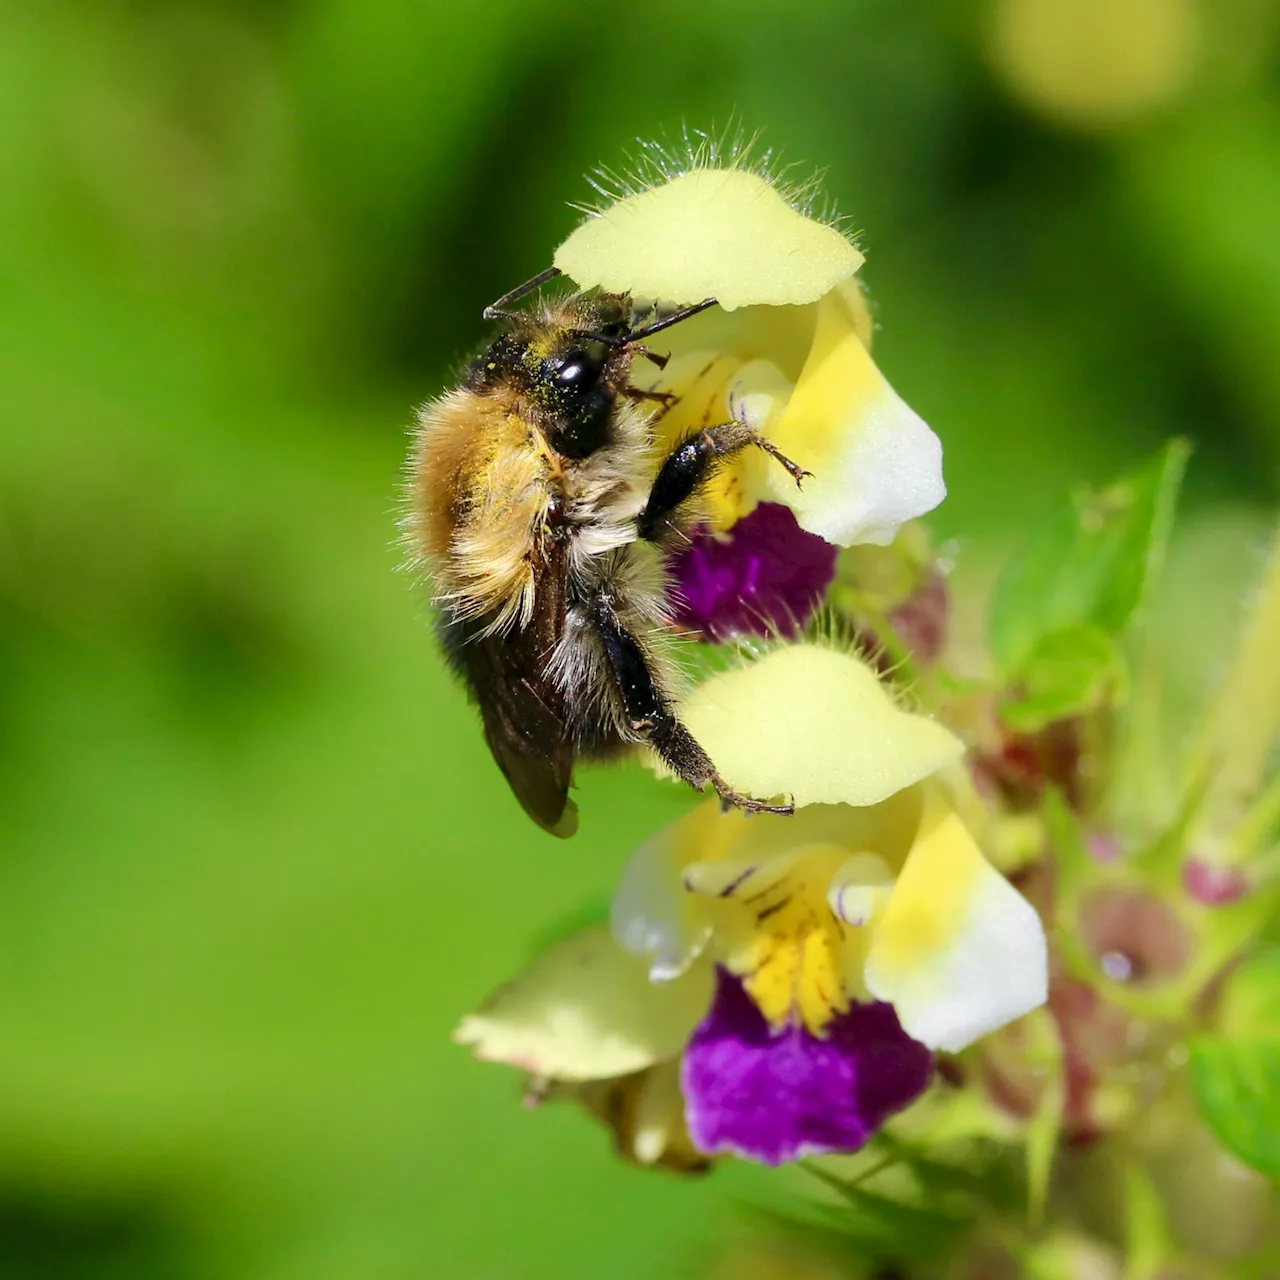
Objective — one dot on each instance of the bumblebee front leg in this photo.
(690, 464)
(649, 717)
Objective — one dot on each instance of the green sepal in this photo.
(1070, 672)
(1148, 1245)
(1090, 565)
(1232, 930)
(1160, 860)
(1045, 1127)
(931, 1229)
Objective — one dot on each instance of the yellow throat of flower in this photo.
(797, 959)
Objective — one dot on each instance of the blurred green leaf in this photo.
(1069, 672)
(1251, 1003)
(1238, 1089)
(1236, 1070)
(1090, 566)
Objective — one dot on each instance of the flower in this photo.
(873, 889)
(794, 973)
(1096, 64)
(588, 1026)
(787, 351)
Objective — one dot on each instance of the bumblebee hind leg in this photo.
(651, 719)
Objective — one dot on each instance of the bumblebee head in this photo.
(570, 364)
(576, 391)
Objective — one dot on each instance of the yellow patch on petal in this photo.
(956, 949)
(710, 233)
(854, 298)
(875, 464)
(816, 724)
(926, 910)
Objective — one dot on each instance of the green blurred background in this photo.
(254, 859)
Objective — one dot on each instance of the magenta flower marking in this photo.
(776, 1096)
(765, 577)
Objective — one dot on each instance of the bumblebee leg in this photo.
(690, 463)
(653, 357)
(650, 718)
(665, 398)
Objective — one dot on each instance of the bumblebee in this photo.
(541, 514)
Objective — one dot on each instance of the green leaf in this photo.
(1251, 1002)
(1071, 671)
(1237, 1088)
(1236, 1069)
(1242, 723)
(1090, 565)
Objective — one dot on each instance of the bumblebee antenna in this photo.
(500, 309)
(638, 335)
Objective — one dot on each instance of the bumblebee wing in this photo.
(527, 737)
(521, 708)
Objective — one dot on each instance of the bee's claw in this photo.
(731, 799)
(793, 469)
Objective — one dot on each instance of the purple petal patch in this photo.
(778, 1096)
(766, 577)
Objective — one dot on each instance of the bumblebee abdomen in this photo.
(483, 486)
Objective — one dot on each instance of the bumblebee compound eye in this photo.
(578, 368)
(577, 371)
(583, 402)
